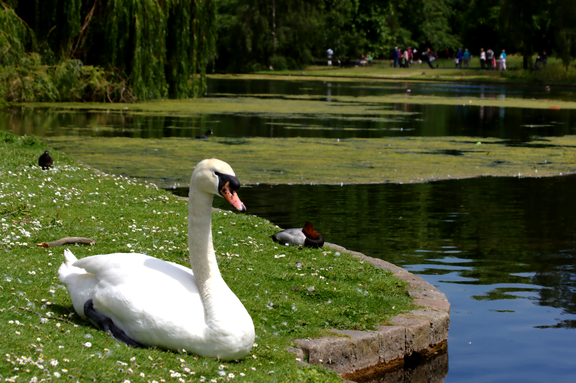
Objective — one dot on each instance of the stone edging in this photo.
(421, 332)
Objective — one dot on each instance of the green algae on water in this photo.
(327, 161)
(296, 106)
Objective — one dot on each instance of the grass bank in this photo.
(42, 337)
(446, 70)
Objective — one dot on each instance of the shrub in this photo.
(551, 73)
(278, 63)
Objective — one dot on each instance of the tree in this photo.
(161, 46)
(428, 20)
(257, 34)
(476, 23)
(522, 22)
(564, 12)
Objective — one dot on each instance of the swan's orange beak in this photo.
(232, 197)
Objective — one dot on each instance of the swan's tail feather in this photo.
(70, 258)
(66, 268)
(80, 282)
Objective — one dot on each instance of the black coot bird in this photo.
(305, 236)
(205, 135)
(45, 161)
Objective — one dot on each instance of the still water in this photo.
(518, 124)
(327, 89)
(503, 250)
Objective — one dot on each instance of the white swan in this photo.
(156, 303)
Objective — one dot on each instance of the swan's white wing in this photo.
(153, 301)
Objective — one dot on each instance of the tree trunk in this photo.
(274, 23)
(525, 61)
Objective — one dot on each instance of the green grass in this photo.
(286, 302)
(550, 74)
(444, 70)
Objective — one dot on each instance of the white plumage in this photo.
(163, 304)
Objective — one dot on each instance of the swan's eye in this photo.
(224, 179)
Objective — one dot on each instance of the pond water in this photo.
(404, 120)
(502, 249)
(332, 88)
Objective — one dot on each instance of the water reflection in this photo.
(330, 88)
(503, 250)
(434, 369)
(415, 120)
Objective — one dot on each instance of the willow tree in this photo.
(258, 34)
(564, 14)
(161, 46)
(522, 21)
(13, 36)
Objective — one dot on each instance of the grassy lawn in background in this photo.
(445, 70)
(290, 293)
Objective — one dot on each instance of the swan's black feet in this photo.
(108, 325)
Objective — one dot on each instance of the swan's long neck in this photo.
(202, 257)
(228, 327)
(213, 290)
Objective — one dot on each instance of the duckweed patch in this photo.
(263, 105)
(347, 108)
(328, 161)
(290, 293)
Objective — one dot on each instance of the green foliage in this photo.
(477, 23)
(564, 16)
(311, 374)
(21, 141)
(28, 81)
(522, 21)
(13, 36)
(133, 33)
(551, 73)
(254, 34)
(120, 50)
(69, 80)
(342, 30)
(433, 24)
